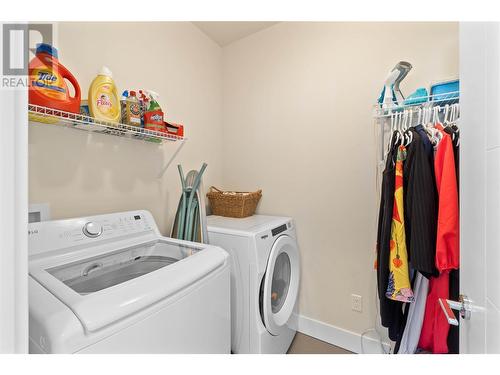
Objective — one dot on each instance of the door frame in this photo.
(14, 316)
(479, 180)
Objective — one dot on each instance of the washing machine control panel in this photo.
(50, 235)
(110, 227)
(92, 229)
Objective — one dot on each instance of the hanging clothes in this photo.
(398, 288)
(414, 313)
(428, 148)
(454, 333)
(429, 221)
(420, 206)
(415, 318)
(391, 312)
(434, 335)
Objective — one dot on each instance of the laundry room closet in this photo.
(288, 109)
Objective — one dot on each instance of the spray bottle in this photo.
(153, 117)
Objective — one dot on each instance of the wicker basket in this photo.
(233, 203)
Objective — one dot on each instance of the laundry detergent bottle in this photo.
(104, 103)
(48, 81)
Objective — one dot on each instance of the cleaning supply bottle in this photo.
(123, 104)
(103, 98)
(153, 117)
(47, 85)
(132, 110)
(144, 104)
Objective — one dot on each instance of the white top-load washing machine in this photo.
(265, 273)
(113, 284)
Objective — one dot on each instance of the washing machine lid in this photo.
(281, 284)
(104, 284)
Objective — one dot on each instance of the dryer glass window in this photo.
(281, 282)
(93, 274)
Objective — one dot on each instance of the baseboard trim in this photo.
(338, 336)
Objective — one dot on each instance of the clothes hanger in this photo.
(391, 140)
(427, 117)
(431, 131)
(456, 118)
(404, 126)
(452, 121)
(408, 132)
(395, 134)
(446, 120)
(399, 119)
(435, 115)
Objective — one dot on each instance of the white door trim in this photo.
(480, 184)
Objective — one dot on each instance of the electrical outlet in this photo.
(356, 303)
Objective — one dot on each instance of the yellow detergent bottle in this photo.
(104, 103)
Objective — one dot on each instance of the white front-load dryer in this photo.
(265, 275)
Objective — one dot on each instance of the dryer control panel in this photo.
(280, 229)
(58, 234)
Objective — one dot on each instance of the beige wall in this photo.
(80, 174)
(297, 100)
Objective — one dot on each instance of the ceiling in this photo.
(224, 33)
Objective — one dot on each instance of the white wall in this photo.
(80, 174)
(297, 101)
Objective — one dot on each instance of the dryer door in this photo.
(281, 284)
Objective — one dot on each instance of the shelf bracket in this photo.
(164, 169)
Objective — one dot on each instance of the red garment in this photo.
(434, 334)
(447, 241)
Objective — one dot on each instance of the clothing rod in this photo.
(380, 113)
(384, 120)
(386, 109)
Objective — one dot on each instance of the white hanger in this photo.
(404, 126)
(446, 120)
(435, 115)
(393, 129)
(399, 123)
(408, 132)
(427, 115)
(392, 132)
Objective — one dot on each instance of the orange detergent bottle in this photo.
(47, 81)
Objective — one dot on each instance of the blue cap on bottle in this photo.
(46, 48)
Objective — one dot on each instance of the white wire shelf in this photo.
(387, 109)
(45, 115)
